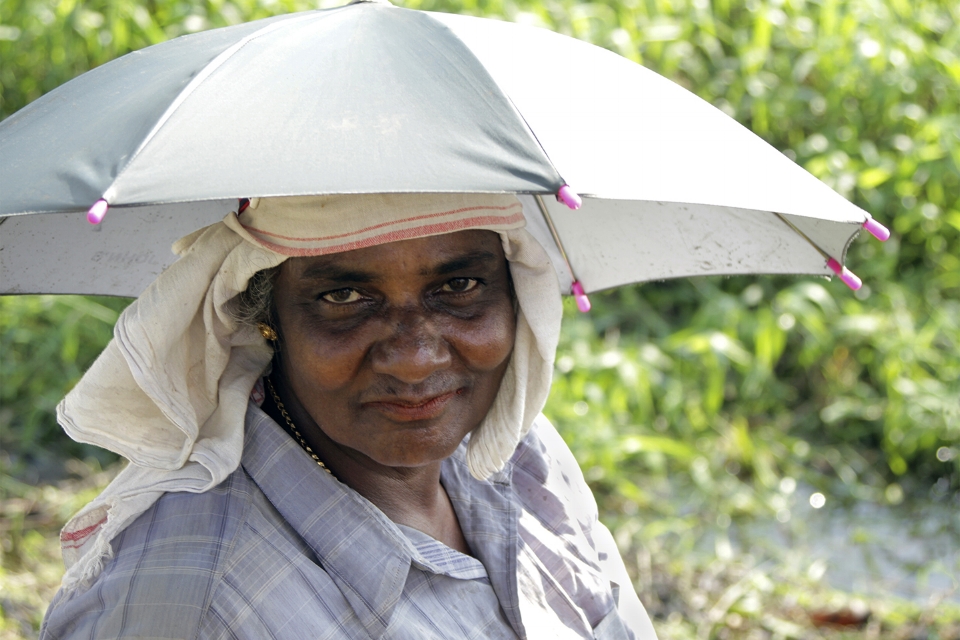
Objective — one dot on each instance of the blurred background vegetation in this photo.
(714, 417)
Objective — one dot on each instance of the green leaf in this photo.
(873, 177)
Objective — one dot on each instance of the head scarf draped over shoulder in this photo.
(170, 391)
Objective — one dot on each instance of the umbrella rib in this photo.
(556, 236)
(826, 256)
(205, 73)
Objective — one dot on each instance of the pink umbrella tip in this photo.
(569, 197)
(877, 230)
(848, 277)
(97, 211)
(583, 302)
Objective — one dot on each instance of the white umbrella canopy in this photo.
(371, 98)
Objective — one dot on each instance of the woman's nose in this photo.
(412, 350)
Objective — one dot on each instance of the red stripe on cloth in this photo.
(73, 545)
(378, 226)
(257, 394)
(72, 536)
(394, 236)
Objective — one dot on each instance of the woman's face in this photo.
(396, 351)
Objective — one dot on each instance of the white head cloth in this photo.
(170, 391)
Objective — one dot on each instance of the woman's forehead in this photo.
(427, 256)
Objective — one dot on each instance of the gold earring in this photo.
(267, 331)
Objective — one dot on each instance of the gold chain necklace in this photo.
(293, 429)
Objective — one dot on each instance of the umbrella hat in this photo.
(372, 98)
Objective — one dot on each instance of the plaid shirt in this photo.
(283, 550)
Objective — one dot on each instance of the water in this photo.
(911, 550)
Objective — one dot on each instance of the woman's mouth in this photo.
(413, 409)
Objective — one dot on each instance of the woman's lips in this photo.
(414, 409)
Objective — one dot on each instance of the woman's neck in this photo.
(411, 496)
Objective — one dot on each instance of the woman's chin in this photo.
(413, 446)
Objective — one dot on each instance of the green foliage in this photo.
(30, 521)
(47, 343)
(749, 397)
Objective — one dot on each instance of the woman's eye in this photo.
(341, 296)
(460, 285)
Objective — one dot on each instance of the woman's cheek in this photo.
(305, 356)
(490, 346)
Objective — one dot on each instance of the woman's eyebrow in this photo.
(335, 273)
(472, 260)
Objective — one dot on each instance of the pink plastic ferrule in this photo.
(569, 197)
(583, 302)
(877, 230)
(849, 277)
(97, 211)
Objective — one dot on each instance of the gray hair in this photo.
(255, 304)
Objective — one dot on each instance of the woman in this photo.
(389, 475)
